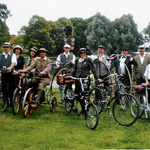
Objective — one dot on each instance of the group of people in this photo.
(80, 67)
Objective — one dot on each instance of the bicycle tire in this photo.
(26, 106)
(16, 101)
(91, 116)
(3, 102)
(68, 99)
(53, 104)
(122, 109)
(96, 98)
(139, 98)
(77, 109)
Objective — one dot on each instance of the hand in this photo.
(71, 62)
(57, 66)
(23, 71)
(42, 73)
(128, 55)
(145, 84)
(100, 80)
(9, 68)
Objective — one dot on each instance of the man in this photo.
(102, 66)
(65, 60)
(125, 66)
(7, 63)
(141, 61)
(42, 67)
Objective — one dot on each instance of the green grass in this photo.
(60, 130)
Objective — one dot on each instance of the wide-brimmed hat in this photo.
(35, 49)
(6, 44)
(83, 50)
(42, 50)
(18, 47)
(101, 46)
(67, 46)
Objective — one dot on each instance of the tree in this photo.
(38, 34)
(124, 33)
(4, 31)
(79, 27)
(97, 32)
(4, 12)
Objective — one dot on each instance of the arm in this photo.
(47, 68)
(13, 62)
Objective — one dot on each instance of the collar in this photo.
(5, 53)
(143, 55)
(43, 58)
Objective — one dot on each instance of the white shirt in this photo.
(147, 72)
(142, 58)
(58, 58)
(122, 66)
(13, 59)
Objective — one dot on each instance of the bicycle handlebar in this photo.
(74, 78)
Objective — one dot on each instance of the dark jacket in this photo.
(83, 69)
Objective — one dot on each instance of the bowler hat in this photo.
(83, 50)
(42, 50)
(6, 44)
(18, 47)
(125, 48)
(101, 46)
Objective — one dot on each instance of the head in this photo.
(42, 52)
(66, 48)
(83, 52)
(33, 52)
(124, 51)
(141, 50)
(17, 50)
(100, 50)
(6, 47)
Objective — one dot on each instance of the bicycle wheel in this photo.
(139, 98)
(53, 104)
(68, 99)
(16, 101)
(26, 106)
(47, 94)
(95, 97)
(3, 102)
(91, 116)
(123, 108)
(77, 109)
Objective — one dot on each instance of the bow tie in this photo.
(123, 56)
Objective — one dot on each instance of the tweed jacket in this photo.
(140, 68)
(39, 67)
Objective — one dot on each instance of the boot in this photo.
(39, 94)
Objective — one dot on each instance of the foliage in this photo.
(97, 32)
(38, 34)
(79, 27)
(4, 12)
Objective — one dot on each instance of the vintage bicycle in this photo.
(72, 104)
(124, 104)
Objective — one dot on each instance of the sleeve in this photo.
(14, 59)
(58, 60)
(146, 71)
(75, 68)
(91, 65)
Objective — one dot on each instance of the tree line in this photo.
(89, 33)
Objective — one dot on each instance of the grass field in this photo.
(60, 130)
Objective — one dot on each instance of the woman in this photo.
(32, 52)
(83, 66)
(20, 62)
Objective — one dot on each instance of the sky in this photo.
(23, 10)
